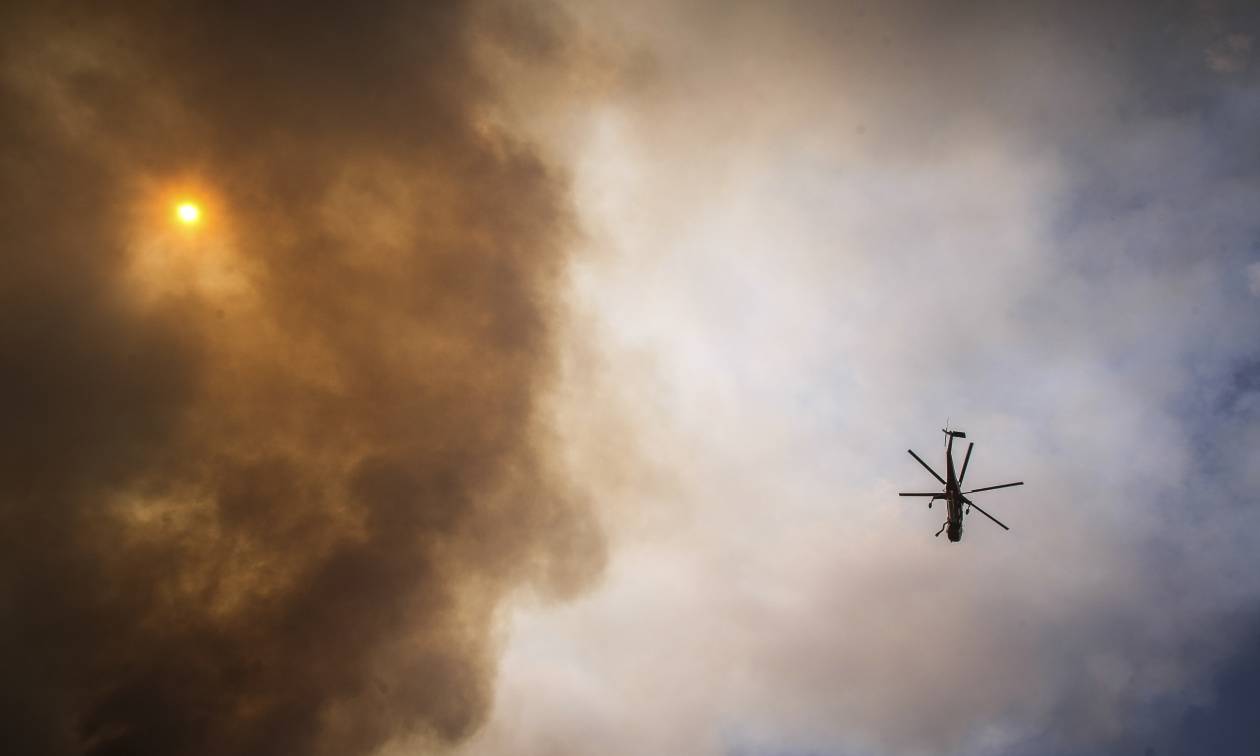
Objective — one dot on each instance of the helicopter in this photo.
(955, 498)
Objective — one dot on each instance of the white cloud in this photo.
(771, 304)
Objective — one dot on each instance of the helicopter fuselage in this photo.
(953, 495)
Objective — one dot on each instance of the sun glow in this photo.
(188, 213)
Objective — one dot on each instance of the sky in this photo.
(537, 378)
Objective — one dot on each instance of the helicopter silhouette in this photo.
(955, 498)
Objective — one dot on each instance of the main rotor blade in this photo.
(927, 467)
(966, 459)
(971, 503)
(992, 488)
(933, 495)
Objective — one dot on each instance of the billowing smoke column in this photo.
(263, 483)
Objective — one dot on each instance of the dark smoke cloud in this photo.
(263, 486)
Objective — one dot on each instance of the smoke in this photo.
(264, 482)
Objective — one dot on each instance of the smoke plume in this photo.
(264, 482)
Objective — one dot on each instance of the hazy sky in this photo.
(539, 377)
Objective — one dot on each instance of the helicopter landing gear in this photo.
(942, 530)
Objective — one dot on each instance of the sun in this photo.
(188, 213)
